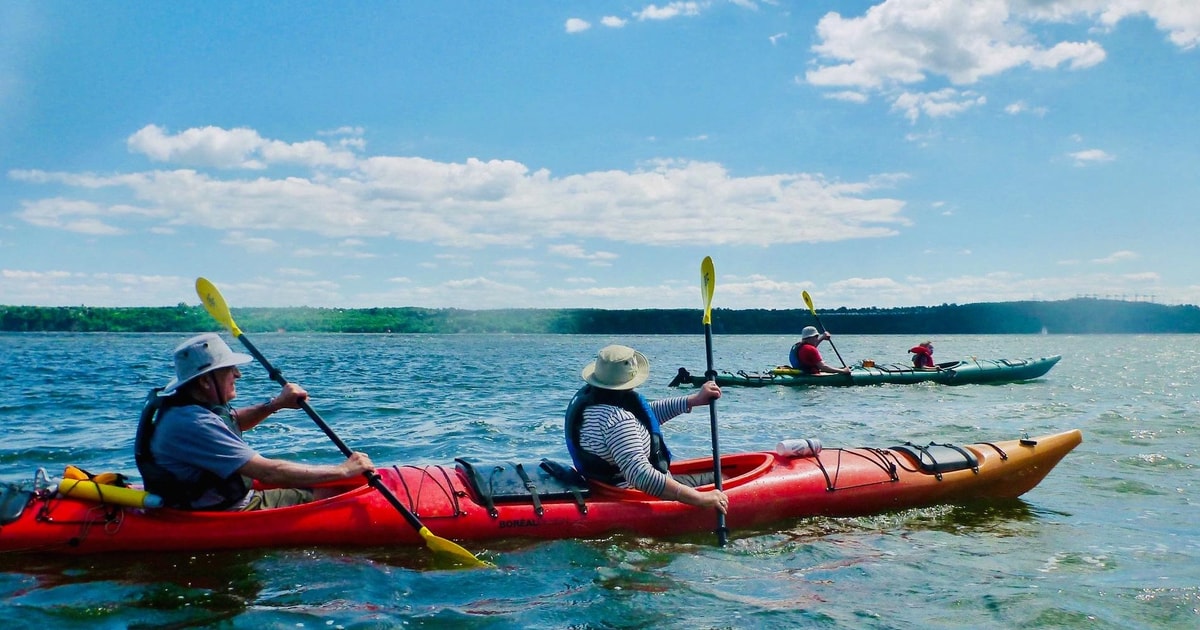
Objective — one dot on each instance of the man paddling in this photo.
(189, 445)
(805, 356)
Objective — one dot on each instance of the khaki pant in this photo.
(277, 497)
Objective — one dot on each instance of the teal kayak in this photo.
(965, 372)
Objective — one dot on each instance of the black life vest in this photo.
(596, 467)
(175, 492)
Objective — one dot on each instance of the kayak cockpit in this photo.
(736, 470)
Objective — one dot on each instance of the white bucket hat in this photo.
(200, 355)
(617, 367)
(809, 331)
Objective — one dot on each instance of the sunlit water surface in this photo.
(1108, 540)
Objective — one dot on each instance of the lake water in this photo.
(1109, 540)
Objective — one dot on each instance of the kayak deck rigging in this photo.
(472, 500)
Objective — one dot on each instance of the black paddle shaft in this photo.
(373, 478)
(711, 375)
(825, 330)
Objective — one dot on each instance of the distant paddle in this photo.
(813, 310)
(708, 281)
(215, 305)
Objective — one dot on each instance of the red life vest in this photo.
(922, 357)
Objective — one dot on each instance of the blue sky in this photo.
(591, 154)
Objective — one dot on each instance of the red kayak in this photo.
(481, 501)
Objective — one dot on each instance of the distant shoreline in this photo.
(1074, 316)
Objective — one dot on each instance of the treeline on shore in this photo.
(1074, 316)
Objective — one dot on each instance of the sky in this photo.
(554, 154)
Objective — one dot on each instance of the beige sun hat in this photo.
(617, 367)
(200, 355)
(809, 331)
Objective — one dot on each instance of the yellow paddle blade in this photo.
(808, 303)
(211, 298)
(708, 281)
(452, 549)
(216, 306)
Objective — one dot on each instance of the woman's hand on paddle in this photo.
(709, 392)
(716, 500)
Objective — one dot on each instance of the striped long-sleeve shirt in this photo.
(617, 436)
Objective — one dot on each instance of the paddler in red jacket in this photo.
(923, 356)
(805, 356)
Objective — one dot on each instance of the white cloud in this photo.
(345, 130)
(331, 251)
(63, 288)
(576, 25)
(232, 148)
(471, 204)
(613, 21)
(774, 39)
(1021, 107)
(945, 102)
(607, 297)
(1116, 257)
(1091, 156)
(669, 11)
(476, 293)
(18, 274)
(1180, 19)
(81, 216)
(249, 243)
(577, 252)
(849, 96)
(20, 287)
(514, 263)
(899, 43)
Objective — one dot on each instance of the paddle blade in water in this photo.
(451, 550)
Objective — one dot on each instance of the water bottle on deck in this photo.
(803, 447)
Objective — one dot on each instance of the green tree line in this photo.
(1075, 316)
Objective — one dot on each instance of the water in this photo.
(1108, 540)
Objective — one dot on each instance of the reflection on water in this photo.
(1108, 539)
(154, 590)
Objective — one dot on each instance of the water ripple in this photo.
(1106, 541)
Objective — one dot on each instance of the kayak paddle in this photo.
(708, 280)
(808, 302)
(215, 305)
